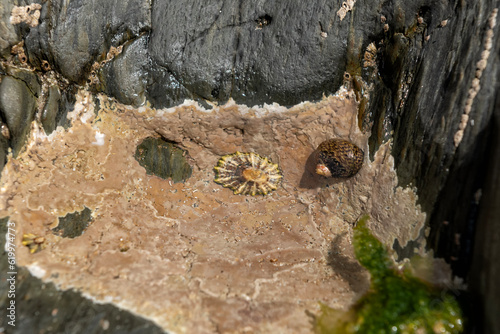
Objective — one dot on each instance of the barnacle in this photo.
(33, 242)
(247, 173)
(339, 158)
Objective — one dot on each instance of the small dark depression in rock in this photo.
(263, 21)
(163, 159)
(73, 224)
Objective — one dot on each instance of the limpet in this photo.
(247, 173)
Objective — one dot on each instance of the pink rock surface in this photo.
(194, 257)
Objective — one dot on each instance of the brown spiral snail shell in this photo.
(339, 158)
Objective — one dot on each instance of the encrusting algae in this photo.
(396, 302)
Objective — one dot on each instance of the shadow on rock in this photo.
(347, 267)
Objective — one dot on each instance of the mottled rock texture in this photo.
(277, 52)
(192, 256)
(413, 85)
(45, 307)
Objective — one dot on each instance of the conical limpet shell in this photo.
(247, 173)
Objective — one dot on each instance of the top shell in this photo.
(339, 158)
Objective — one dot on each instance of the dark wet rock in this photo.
(73, 35)
(56, 109)
(164, 89)
(485, 269)
(163, 159)
(73, 224)
(29, 77)
(254, 53)
(8, 35)
(427, 83)
(4, 147)
(17, 108)
(41, 307)
(50, 109)
(125, 77)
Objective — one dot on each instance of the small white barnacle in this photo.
(247, 173)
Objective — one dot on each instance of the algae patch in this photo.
(73, 224)
(396, 302)
(163, 159)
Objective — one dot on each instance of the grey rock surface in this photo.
(59, 102)
(44, 308)
(17, 108)
(254, 52)
(72, 35)
(483, 276)
(126, 77)
(50, 109)
(8, 35)
(4, 147)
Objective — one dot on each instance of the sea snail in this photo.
(339, 158)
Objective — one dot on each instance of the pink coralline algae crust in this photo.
(192, 256)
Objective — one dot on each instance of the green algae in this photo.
(396, 302)
(73, 224)
(163, 159)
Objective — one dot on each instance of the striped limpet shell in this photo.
(247, 174)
